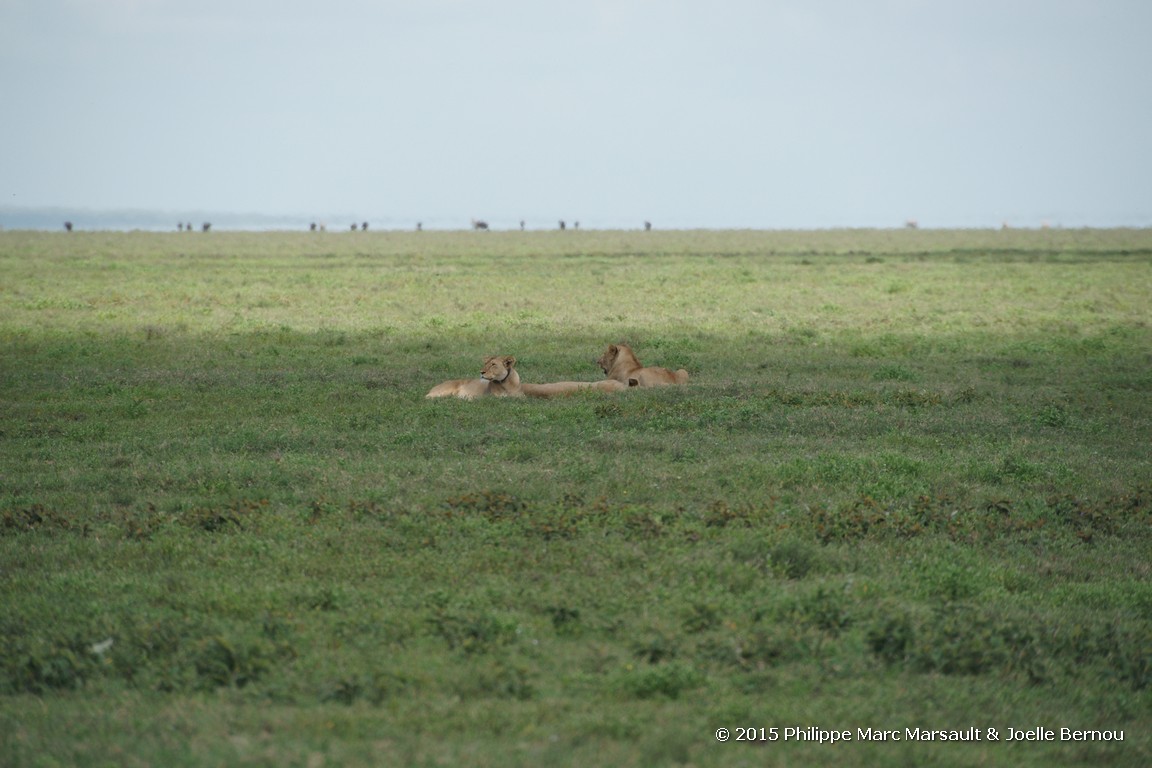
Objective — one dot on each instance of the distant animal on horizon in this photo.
(521, 225)
(179, 226)
(912, 224)
(312, 227)
(206, 226)
(419, 226)
(67, 226)
(562, 224)
(647, 226)
(364, 227)
(479, 224)
(619, 362)
(498, 378)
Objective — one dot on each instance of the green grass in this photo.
(908, 486)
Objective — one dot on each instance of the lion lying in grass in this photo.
(565, 388)
(619, 363)
(498, 378)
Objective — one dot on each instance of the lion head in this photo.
(497, 368)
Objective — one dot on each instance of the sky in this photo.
(709, 113)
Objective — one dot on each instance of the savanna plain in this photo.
(908, 486)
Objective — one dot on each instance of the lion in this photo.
(620, 363)
(498, 378)
(566, 388)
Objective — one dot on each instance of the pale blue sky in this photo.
(720, 113)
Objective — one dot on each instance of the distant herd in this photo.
(477, 224)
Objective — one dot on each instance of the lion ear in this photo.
(509, 361)
(613, 349)
(633, 382)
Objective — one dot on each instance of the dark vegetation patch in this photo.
(997, 518)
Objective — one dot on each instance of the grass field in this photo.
(909, 486)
